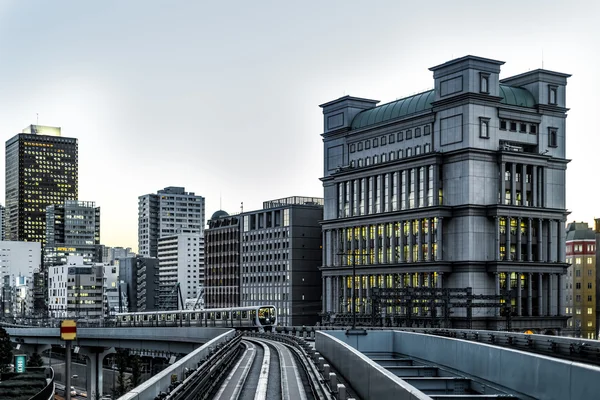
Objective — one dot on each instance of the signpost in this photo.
(20, 363)
(68, 333)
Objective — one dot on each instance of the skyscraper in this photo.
(72, 229)
(41, 170)
(169, 212)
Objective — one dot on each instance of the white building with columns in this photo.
(459, 186)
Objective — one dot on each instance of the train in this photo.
(263, 317)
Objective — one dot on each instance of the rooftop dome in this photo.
(219, 214)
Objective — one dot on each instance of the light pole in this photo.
(353, 330)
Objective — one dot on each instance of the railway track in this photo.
(268, 369)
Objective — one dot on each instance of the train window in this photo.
(202, 316)
(244, 314)
(193, 317)
(145, 318)
(226, 314)
(235, 315)
(218, 315)
(212, 315)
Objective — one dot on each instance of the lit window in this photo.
(589, 324)
(589, 310)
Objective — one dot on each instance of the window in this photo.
(427, 148)
(391, 138)
(589, 259)
(427, 130)
(417, 150)
(533, 129)
(409, 152)
(417, 132)
(589, 310)
(375, 142)
(352, 148)
(484, 83)
(367, 144)
(513, 126)
(360, 162)
(578, 298)
(400, 153)
(359, 147)
(589, 285)
(484, 124)
(409, 134)
(392, 155)
(552, 94)
(578, 285)
(383, 157)
(503, 125)
(590, 297)
(383, 140)
(400, 136)
(552, 139)
(589, 324)
(589, 272)
(578, 311)
(523, 128)
(578, 273)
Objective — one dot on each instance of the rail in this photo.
(301, 350)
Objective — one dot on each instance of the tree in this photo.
(6, 355)
(136, 370)
(35, 360)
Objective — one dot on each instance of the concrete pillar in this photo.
(419, 240)
(550, 240)
(439, 239)
(561, 241)
(518, 252)
(513, 184)
(562, 279)
(360, 303)
(94, 372)
(344, 256)
(551, 294)
(376, 243)
(497, 220)
(507, 255)
(540, 295)
(540, 241)
(530, 294)
(519, 294)
(345, 293)
(401, 242)
(440, 284)
(534, 185)
(502, 182)
(529, 240)
(558, 295)
(428, 239)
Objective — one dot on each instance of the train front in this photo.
(267, 317)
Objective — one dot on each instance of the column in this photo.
(394, 244)
(534, 184)
(540, 295)
(519, 294)
(419, 240)
(561, 294)
(336, 294)
(324, 299)
(558, 294)
(497, 219)
(540, 241)
(401, 284)
(502, 182)
(513, 183)
(530, 294)
(497, 282)
(529, 240)
(360, 296)
(561, 241)
(550, 241)
(401, 243)
(376, 244)
(428, 239)
(439, 240)
(439, 282)
(411, 241)
(518, 252)
(436, 185)
(368, 294)
(368, 249)
(345, 294)
(551, 301)
(358, 260)
(94, 358)
(508, 227)
(345, 249)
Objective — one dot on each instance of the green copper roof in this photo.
(395, 109)
(422, 102)
(516, 96)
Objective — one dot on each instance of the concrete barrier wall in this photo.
(161, 381)
(534, 375)
(368, 379)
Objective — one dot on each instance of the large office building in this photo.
(18, 263)
(222, 270)
(138, 277)
(2, 218)
(72, 229)
(41, 170)
(456, 187)
(75, 290)
(180, 269)
(581, 289)
(166, 213)
(280, 258)
(112, 254)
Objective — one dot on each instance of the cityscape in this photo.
(373, 240)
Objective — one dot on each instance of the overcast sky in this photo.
(222, 97)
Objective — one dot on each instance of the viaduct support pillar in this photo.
(95, 356)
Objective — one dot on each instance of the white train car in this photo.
(253, 317)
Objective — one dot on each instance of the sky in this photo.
(223, 97)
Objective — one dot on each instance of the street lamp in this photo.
(354, 330)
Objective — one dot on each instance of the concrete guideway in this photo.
(389, 364)
(232, 387)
